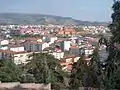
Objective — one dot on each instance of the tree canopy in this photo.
(9, 72)
(45, 68)
(113, 61)
(86, 74)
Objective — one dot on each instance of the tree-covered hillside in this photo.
(20, 18)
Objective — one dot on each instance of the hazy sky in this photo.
(90, 10)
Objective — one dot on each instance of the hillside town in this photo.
(59, 45)
(66, 43)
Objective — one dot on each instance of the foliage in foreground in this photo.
(86, 74)
(113, 62)
(45, 68)
(41, 68)
(9, 72)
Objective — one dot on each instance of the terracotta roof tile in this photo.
(11, 52)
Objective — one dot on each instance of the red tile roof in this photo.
(11, 52)
(74, 47)
(33, 39)
(33, 42)
(70, 56)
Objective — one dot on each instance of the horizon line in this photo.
(51, 15)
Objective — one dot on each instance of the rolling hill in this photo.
(21, 18)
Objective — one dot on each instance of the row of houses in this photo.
(19, 50)
(96, 29)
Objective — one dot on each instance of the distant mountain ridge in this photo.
(22, 18)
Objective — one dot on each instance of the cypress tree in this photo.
(113, 61)
(84, 74)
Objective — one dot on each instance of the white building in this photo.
(44, 45)
(65, 45)
(50, 39)
(4, 44)
(88, 51)
(58, 55)
(35, 46)
(17, 49)
(21, 58)
(17, 57)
